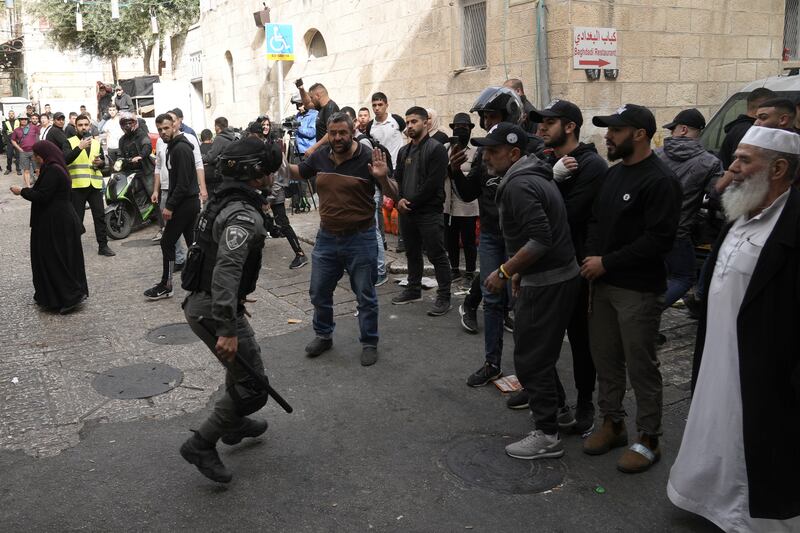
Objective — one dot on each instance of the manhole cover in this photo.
(482, 461)
(179, 333)
(137, 381)
(138, 243)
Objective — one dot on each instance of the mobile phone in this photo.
(453, 142)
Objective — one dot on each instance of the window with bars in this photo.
(473, 41)
(791, 31)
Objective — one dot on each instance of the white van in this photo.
(786, 86)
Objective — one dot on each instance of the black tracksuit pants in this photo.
(181, 223)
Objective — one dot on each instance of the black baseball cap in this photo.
(58, 115)
(558, 109)
(632, 115)
(462, 119)
(688, 117)
(504, 133)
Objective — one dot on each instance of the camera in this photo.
(290, 124)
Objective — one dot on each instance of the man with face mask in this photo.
(633, 225)
(135, 149)
(739, 458)
(222, 269)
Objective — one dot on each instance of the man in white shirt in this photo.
(739, 458)
(112, 132)
(44, 126)
(386, 128)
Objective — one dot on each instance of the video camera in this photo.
(290, 125)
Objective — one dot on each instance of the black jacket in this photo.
(734, 131)
(633, 224)
(57, 136)
(182, 172)
(137, 143)
(428, 193)
(580, 190)
(769, 366)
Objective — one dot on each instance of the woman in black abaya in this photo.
(59, 276)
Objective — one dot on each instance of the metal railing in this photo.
(791, 31)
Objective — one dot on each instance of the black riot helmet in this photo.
(501, 99)
(249, 159)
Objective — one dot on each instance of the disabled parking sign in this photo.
(280, 42)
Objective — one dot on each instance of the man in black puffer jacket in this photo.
(224, 136)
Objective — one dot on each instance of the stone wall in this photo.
(673, 54)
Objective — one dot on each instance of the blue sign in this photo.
(280, 42)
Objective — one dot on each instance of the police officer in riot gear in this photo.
(222, 267)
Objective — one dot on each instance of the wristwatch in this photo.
(501, 273)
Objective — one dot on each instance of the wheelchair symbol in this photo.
(277, 42)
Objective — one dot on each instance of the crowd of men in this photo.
(568, 245)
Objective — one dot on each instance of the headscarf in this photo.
(433, 122)
(52, 156)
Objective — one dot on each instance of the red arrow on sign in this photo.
(596, 63)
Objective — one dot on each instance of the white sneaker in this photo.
(157, 236)
(537, 445)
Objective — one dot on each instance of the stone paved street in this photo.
(366, 449)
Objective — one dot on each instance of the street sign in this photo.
(280, 42)
(594, 48)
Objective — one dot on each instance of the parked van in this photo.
(786, 86)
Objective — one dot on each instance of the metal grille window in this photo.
(473, 43)
(791, 31)
(196, 65)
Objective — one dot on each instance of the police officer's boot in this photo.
(204, 456)
(249, 428)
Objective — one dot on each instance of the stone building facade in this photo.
(672, 53)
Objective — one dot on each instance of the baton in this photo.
(264, 383)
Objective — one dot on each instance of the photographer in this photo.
(307, 130)
(277, 199)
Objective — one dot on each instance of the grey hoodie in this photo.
(532, 209)
(697, 169)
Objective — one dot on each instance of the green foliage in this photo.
(109, 39)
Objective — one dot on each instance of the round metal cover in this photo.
(139, 243)
(172, 334)
(482, 462)
(137, 381)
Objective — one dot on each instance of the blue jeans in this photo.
(680, 270)
(492, 254)
(381, 252)
(332, 255)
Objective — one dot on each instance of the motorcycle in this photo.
(128, 203)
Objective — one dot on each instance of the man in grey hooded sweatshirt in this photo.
(697, 169)
(544, 275)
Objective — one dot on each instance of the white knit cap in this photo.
(772, 139)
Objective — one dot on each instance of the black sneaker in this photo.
(106, 251)
(7, 172)
(250, 428)
(406, 297)
(204, 456)
(508, 323)
(469, 318)
(584, 418)
(484, 375)
(440, 307)
(318, 346)
(159, 292)
(565, 419)
(369, 355)
(299, 261)
(518, 400)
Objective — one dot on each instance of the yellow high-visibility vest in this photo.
(11, 127)
(81, 171)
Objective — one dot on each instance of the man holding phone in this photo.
(84, 159)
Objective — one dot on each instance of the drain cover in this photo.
(178, 333)
(137, 381)
(482, 462)
(139, 243)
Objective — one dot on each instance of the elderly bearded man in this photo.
(739, 459)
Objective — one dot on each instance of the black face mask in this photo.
(463, 133)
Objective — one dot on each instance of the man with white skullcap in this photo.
(740, 456)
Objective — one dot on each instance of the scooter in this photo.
(128, 204)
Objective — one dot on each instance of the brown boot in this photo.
(640, 456)
(610, 435)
